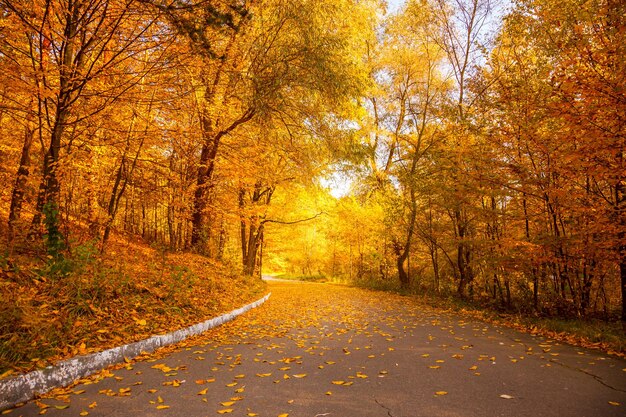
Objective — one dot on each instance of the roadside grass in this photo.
(87, 302)
(608, 336)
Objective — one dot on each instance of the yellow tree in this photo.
(72, 49)
(405, 119)
(258, 58)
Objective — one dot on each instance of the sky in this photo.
(394, 5)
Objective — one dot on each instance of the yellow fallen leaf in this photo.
(328, 393)
(283, 415)
(439, 361)
(159, 399)
(263, 375)
(141, 322)
(236, 398)
(473, 368)
(239, 390)
(425, 355)
(240, 376)
(252, 414)
(615, 403)
(232, 384)
(83, 413)
(441, 393)
(62, 407)
(225, 411)
(200, 381)
(299, 375)
(434, 367)
(78, 392)
(203, 392)
(339, 382)
(93, 405)
(227, 403)
(361, 375)
(162, 407)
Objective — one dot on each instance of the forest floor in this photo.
(328, 350)
(88, 302)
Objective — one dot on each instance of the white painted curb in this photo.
(25, 387)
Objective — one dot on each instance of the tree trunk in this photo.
(17, 196)
(203, 183)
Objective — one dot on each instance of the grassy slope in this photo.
(89, 302)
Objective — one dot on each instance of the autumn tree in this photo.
(71, 51)
(259, 59)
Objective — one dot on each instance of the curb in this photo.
(25, 387)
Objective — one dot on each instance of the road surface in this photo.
(322, 350)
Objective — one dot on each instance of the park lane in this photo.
(327, 350)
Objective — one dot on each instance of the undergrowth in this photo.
(55, 307)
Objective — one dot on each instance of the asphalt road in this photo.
(321, 350)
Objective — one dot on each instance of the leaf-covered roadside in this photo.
(89, 303)
(315, 349)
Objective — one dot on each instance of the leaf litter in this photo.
(306, 339)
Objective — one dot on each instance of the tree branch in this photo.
(293, 222)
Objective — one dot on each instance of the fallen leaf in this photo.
(225, 411)
(203, 392)
(62, 407)
(162, 407)
(227, 403)
(339, 382)
(615, 403)
(441, 393)
(506, 396)
(283, 415)
(299, 375)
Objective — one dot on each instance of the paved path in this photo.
(318, 350)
